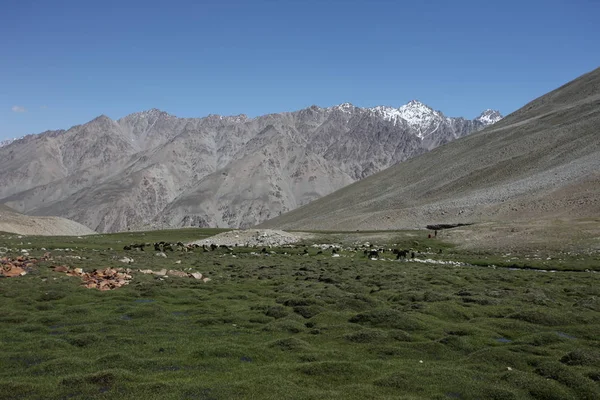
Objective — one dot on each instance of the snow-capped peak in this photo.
(417, 113)
(344, 107)
(8, 141)
(489, 117)
(387, 113)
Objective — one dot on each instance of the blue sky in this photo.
(63, 63)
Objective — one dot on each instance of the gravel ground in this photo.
(254, 238)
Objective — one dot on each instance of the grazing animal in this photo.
(373, 254)
(400, 253)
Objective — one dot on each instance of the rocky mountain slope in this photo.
(151, 169)
(14, 222)
(541, 162)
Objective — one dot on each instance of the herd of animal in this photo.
(368, 250)
(179, 246)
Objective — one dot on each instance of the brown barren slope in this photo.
(542, 162)
(14, 222)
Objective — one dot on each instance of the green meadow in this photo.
(285, 325)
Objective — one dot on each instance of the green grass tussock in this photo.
(288, 326)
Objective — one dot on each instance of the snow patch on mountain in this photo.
(8, 141)
(489, 117)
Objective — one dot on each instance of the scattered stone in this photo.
(196, 275)
(178, 262)
(161, 254)
(252, 238)
(104, 279)
(23, 264)
(179, 274)
(126, 260)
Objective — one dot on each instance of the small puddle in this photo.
(179, 313)
(565, 335)
(503, 340)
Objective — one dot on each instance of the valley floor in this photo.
(454, 322)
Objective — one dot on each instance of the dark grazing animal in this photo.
(373, 254)
(400, 253)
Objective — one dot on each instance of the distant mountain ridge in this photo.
(538, 166)
(152, 169)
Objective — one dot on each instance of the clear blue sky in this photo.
(65, 62)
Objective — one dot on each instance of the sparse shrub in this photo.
(396, 380)
(290, 344)
(387, 318)
(537, 387)
(276, 312)
(296, 301)
(541, 339)
(15, 390)
(308, 311)
(540, 317)
(85, 340)
(51, 295)
(587, 357)
(338, 369)
(560, 373)
(430, 296)
(102, 378)
(114, 360)
(366, 336)
(287, 325)
(401, 335)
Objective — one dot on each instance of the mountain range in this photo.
(151, 169)
(539, 166)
